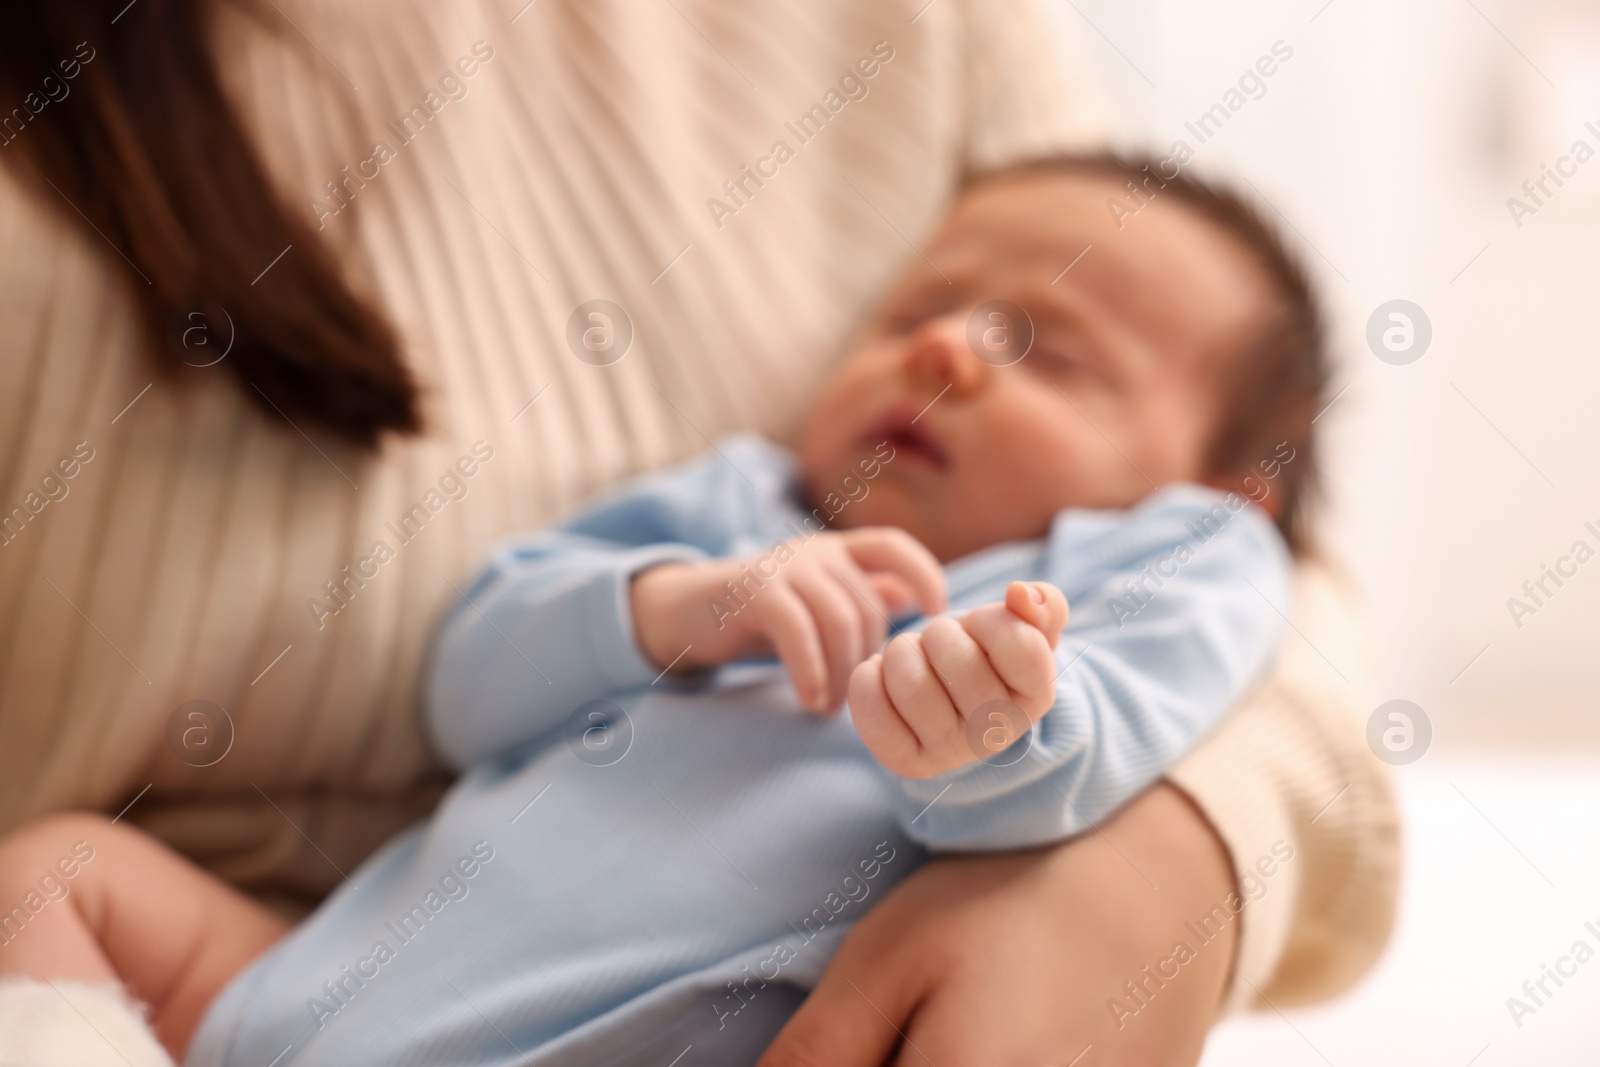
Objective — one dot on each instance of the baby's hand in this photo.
(911, 704)
(822, 604)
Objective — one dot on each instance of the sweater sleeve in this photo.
(1289, 772)
(547, 624)
(1178, 606)
(1028, 89)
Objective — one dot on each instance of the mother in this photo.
(389, 215)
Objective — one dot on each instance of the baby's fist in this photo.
(912, 703)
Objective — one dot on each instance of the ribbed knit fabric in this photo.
(195, 537)
(1288, 768)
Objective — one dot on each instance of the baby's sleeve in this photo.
(547, 623)
(1177, 606)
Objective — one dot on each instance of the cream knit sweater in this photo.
(742, 180)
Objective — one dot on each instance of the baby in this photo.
(654, 846)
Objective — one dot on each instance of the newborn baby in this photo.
(656, 847)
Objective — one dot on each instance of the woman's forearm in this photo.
(1307, 813)
(1025, 957)
(1165, 885)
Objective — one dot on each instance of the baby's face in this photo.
(1121, 392)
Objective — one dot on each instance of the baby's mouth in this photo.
(908, 435)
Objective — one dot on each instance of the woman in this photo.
(304, 297)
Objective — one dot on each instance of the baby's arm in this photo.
(1174, 614)
(613, 599)
(546, 624)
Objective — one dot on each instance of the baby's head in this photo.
(1175, 341)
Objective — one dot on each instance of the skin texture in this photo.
(822, 605)
(912, 703)
(134, 911)
(1120, 392)
(1009, 960)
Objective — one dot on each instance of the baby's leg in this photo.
(84, 898)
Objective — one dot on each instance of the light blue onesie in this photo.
(637, 867)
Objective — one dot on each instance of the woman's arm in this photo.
(1018, 958)
(1291, 765)
(1016, 954)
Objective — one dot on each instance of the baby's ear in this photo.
(1041, 605)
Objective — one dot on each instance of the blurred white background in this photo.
(1391, 141)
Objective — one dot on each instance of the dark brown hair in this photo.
(121, 122)
(1279, 379)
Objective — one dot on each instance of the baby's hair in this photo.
(1280, 377)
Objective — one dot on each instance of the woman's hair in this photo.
(121, 121)
(1277, 385)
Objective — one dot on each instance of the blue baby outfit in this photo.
(638, 867)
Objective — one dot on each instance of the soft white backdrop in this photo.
(1390, 142)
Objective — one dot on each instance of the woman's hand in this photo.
(1013, 959)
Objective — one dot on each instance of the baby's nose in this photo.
(939, 354)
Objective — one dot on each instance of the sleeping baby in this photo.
(708, 724)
